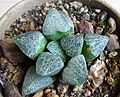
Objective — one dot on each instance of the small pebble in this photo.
(39, 94)
(113, 54)
(102, 16)
(97, 10)
(47, 4)
(52, 4)
(66, 6)
(10, 76)
(62, 88)
(52, 95)
(91, 88)
(85, 27)
(59, 2)
(86, 16)
(61, 7)
(93, 15)
(51, 86)
(10, 67)
(87, 93)
(47, 91)
(10, 90)
(61, 95)
(32, 26)
(54, 91)
(76, 4)
(82, 9)
(112, 25)
(102, 56)
(8, 33)
(74, 19)
(86, 9)
(113, 44)
(97, 72)
(4, 62)
(98, 30)
(14, 56)
(16, 30)
(78, 88)
(18, 77)
(27, 27)
(110, 81)
(23, 19)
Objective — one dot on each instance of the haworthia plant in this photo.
(34, 82)
(48, 64)
(31, 43)
(76, 71)
(94, 44)
(57, 24)
(72, 44)
(55, 48)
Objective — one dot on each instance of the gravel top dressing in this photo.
(61, 49)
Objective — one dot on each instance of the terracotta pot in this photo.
(17, 10)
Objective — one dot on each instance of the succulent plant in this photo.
(31, 43)
(48, 64)
(94, 44)
(76, 71)
(55, 48)
(57, 24)
(34, 82)
(72, 44)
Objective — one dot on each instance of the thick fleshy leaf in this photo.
(72, 44)
(66, 18)
(94, 44)
(34, 82)
(57, 24)
(76, 71)
(31, 43)
(48, 64)
(55, 48)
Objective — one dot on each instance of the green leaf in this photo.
(94, 44)
(48, 64)
(55, 48)
(31, 43)
(57, 24)
(34, 82)
(76, 71)
(72, 44)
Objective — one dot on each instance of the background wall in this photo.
(6, 4)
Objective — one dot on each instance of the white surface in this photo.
(5, 5)
(115, 4)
